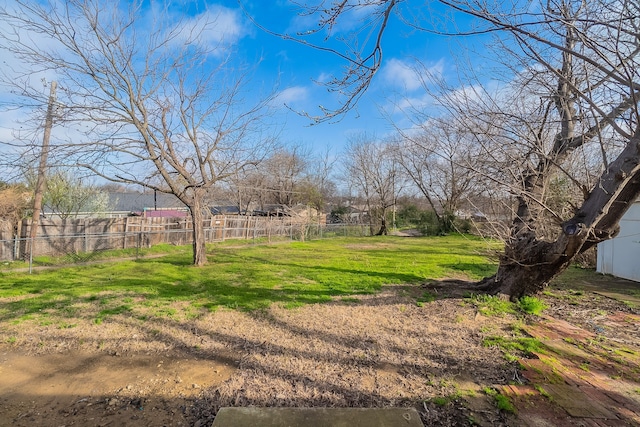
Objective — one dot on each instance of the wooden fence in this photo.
(61, 237)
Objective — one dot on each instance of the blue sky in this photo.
(297, 69)
(294, 69)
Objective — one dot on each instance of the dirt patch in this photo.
(388, 349)
(368, 351)
(82, 387)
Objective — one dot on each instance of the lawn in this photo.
(345, 322)
(241, 276)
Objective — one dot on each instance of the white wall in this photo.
(621, 256)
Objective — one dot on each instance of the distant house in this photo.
(138, 202)
(149, 205)
(165, 213)
(620, 256)
(226, 210)
(120, 205)
(307, 214)
(272, 210)
(353, 214)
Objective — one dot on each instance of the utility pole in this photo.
(42, 169)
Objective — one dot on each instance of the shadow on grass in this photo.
(387, 277)
(237, 278)
(151, 285)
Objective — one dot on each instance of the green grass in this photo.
(246, 277)
(440, 401)
(502, 402)
(89, 257)
(514, 347)
(426, 297)
(531, 305)
(490, 305)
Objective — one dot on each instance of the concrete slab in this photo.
(317, 417)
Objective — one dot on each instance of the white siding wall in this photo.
(621, 256)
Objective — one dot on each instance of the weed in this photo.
(65, 325)
(440, 401)
(508, 345)
(490, 305)
(504, 404)
(489, 391)
(113, 311)
(543, 392)
(426, 298)
(518, 327)
(487, 329)
(12, 340)
(585, 366)
(511, 358)
(532, 305)
(629, 304)
(166, 312)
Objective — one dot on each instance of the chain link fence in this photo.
(87, 240)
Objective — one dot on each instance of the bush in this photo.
(428, 224)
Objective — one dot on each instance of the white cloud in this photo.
(410, 76)
(324, 78)
(218, 26)
(291, 95)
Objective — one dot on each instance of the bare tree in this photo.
(145, 98)
(246, 189)
(373, 172)
(317, 186)
(574, 100)
(436, 158)
(284, 171)
(581, 59)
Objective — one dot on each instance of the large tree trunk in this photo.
(199, 240)
(529, 262)
(383, 227)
